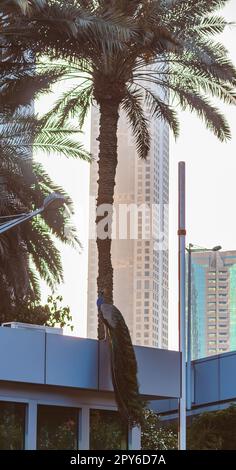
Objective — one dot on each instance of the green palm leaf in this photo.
(58, 140)
(133, 107)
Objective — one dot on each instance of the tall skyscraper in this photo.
(140, 260)
(213, 303)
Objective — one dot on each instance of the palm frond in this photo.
(20, 86)
(210, 25)
(74, 102)
(133, 107)
(45, 256)
(25, 6)
(212, 117)
(35, 284)
(162, 110)
(182, 12)
(58, 140)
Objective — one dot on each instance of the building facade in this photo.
(56, 391)
(213, 303)
(213, 387)
(140, 253)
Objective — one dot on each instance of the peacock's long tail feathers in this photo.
(123, 366)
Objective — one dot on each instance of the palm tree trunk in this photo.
(107, 163)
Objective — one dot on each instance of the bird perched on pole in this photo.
(123, 363)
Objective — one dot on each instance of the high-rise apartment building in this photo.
(213, 303)
(140, 259)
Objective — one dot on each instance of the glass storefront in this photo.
(107, 431)
(12, 425)
(57, 428)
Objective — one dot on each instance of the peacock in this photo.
(123, 364)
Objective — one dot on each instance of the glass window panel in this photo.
(107, 432)
(57, 428)
(12, 425)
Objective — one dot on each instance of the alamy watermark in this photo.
(130, 222)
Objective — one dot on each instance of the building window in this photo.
(107, 431)
(57, 428)
(12, 425)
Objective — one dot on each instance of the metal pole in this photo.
(182, 326)
(18, 219)
(189, 332)
(8, 225)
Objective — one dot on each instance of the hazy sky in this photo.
(211, 196)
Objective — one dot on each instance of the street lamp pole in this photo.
(53, 199)
(182, 315)
(189, 329)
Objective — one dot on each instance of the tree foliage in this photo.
(53, 313)
(29, 250)
(135, 52)
(213, 430)
(156, 435)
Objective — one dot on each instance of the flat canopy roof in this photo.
(37, 357)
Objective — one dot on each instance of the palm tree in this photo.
(28, 252)
(25, 6)
(126, 52)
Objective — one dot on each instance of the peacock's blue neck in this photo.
(100, 301)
